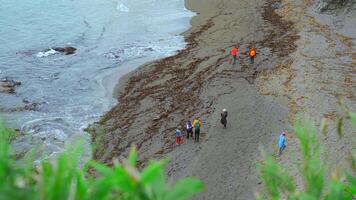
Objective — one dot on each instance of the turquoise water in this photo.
(68, 88)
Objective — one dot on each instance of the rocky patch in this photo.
(334, 5)
(65, 50)
(8, 85)
(34, 106)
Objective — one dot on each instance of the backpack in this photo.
(197, 127)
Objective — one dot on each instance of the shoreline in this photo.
(112, 82)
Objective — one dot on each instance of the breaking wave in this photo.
(46, 53)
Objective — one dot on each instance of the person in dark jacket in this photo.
(223, 119)
(189, 129)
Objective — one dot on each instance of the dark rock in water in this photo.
(28, 107)
(8, 85)
(25, 101)
(149, 49)
(333, 5)
(65, 50)
(32, 107)
(7, 90)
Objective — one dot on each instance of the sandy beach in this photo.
(293, 75)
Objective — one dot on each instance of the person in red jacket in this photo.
(233, 53)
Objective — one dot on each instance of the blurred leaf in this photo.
(132, 156)
(351, 187)
(353, 117)
(340, 124)
(306, 196)
(152, 171)
(311, 168)
(101, 168)
(158, 185)
(60, 180)
(81, 187)
(45, 182)
(125, 181)
(336, 190)
(184, 189)
(258, 197)
(4, 141)
(101, 188)
(27, 161)
(324, 126)
(276, 180)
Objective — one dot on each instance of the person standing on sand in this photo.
(178, 136)
(223, 119)
(189, 128)
(234, 51)
(282, 142)
(252, 54)
(197, 125)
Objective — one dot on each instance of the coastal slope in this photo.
(262, 99)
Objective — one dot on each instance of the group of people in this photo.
(251, 53)
(194, 128)
(196, 125)
(190, 128)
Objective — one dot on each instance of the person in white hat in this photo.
(223, 119)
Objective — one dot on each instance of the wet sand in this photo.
(261, 99)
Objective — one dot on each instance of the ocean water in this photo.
(69, 88)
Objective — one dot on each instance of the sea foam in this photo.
(121, 7)
(46, 53)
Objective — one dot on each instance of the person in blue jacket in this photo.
(282, 142)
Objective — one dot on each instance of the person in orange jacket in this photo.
(252, 54)
(234, 51)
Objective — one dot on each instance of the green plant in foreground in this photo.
(62, 179)
(280, 185)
